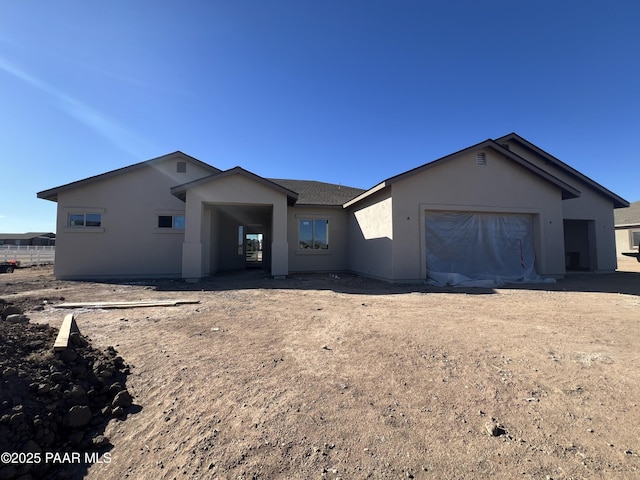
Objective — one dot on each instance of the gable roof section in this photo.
(567, 190)
(627, 216)
(618, 202)
(311, 192)
(180, 191)
(52, 194)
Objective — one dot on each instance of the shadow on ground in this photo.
(615, 282)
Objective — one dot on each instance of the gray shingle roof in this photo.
(628, 216)
(311, 192)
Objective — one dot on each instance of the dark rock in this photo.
(31, 447)
(77, 340)
(43, 388)
(17, 418)
(100, 441)
(104, 374)
(79, 371)
(10, 310)
(68, 355)
(77, 391)
(116, 387)
(494, 429)
(76, 438)
(122, 399)
(8, 472)
(17, 318)
(48, 402)
(78, 416)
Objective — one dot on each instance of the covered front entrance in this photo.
(234, 219)
(240, 237)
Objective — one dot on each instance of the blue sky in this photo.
(348, 92)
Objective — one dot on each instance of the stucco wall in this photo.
(591, 205)
(128, 244)
(207, 236)
(623, 240)
(461, 184)
(371, 236)
(333, 259)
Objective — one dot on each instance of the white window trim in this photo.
(169, 213)
(68, 211)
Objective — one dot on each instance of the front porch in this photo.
(234, 220)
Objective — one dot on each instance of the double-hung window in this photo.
(313, 234)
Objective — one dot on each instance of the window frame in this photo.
(87, 220)
(172, 227)
(313, 218)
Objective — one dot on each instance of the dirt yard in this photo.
(319, 376)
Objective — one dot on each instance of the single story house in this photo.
(502, 209)
(627, 225)
(30, 238)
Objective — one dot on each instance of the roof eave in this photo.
(567, 190)
(180, 191)
(366, 194)
(52, 193)
(618, 202)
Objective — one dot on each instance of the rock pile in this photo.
(54, 402)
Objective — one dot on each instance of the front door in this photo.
(253, 249)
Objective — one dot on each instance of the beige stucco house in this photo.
(502, 209)
(627, 225)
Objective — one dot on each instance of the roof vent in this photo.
(481, 158)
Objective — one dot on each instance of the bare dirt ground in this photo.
(323, 377)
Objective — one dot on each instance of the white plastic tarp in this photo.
(480, 249)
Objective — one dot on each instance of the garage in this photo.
(479, 248)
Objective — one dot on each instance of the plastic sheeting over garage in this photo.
(480, 249)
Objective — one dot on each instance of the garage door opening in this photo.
(479, 249)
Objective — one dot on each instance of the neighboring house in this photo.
(627, 224)
(31, 239)
(502, 209)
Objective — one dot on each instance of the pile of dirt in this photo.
(54, 401)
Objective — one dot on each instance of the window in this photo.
(181, 167)
(313, 234)
(85, 220)
(635, 238)
(171, 221)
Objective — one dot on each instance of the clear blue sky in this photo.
(341, 91)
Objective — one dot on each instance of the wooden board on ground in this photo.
(69, 326)
(126, 304)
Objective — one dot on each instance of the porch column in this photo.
(192, 246)
(279, 245)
